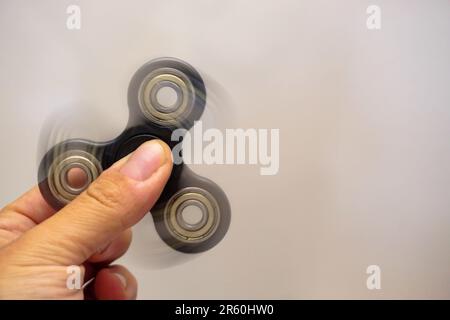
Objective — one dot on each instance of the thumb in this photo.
(115, 201)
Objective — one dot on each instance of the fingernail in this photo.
(122, 279)
(144, 161)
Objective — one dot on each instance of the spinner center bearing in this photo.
(150, 118)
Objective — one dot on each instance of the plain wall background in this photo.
(364, 120)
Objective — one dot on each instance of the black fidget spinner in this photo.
(149, 119)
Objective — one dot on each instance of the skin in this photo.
(37, 244)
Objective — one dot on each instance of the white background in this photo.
(364, 120)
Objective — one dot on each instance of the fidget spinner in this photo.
(149, 119)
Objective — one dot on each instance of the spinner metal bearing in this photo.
(149, 119)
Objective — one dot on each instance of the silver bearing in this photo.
(153, 109)
(58, 174)
(184, 231)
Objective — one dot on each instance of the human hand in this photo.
(37, 245)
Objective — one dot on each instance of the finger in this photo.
(115, 283)
(114, 250)
(22, 215)
(31, 208)
(115, 201)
